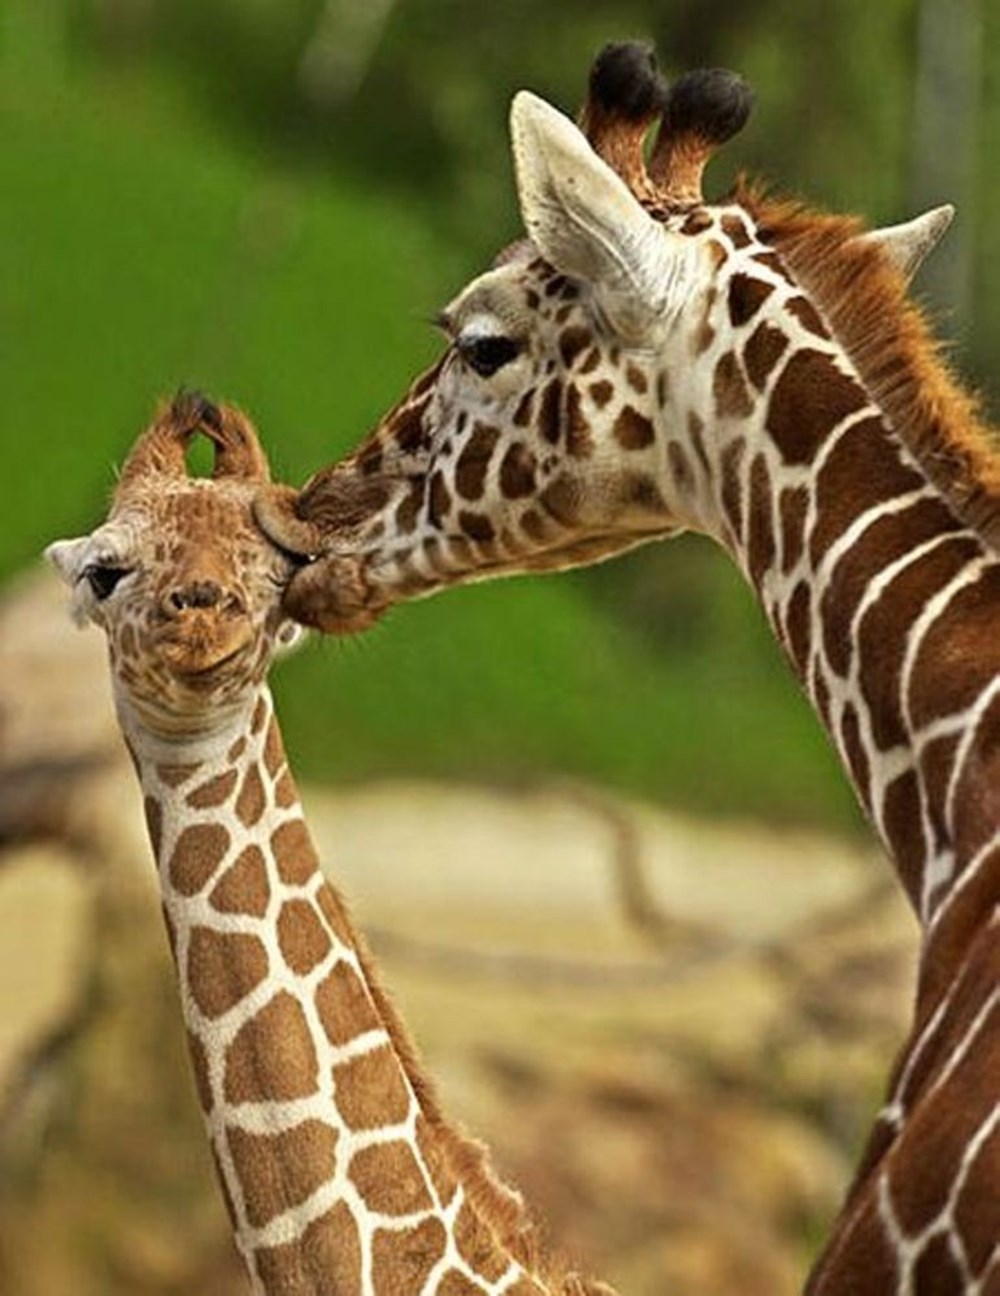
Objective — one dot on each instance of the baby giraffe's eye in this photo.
(487, 354)
(102, 580)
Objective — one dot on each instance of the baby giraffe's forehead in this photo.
(504, 300)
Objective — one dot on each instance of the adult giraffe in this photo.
(648, 363)
(338, 1167)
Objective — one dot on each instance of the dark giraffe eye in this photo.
(487, 354)
(102, 580)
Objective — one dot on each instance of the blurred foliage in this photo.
(266, 198)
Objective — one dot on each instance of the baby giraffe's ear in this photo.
(583, 218)
(66, 556)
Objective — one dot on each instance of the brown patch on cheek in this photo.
(272, 1058)
(389, 1179)
(371, 1091)
(601, 392)
(636, 379)
(548, 413)
(474, 462)
(476, 526)
(680, 466)
(572, 342)
(344, 1006)
(517, 472)
(279, 1171)
(402, 1259)
(729, 389)
(222, 968)
(408, 508)
(579, 441)
(199, 851)
(329, 1245)
(562, 500)
(590, 361)
(632, 430)
(244, 887)
(440, 499)
(293, 852)
(525, 406)
(302, 938)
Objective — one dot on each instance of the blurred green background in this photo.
(267, 199)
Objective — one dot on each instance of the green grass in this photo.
(141, 253)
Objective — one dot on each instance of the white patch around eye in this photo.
(108, 546)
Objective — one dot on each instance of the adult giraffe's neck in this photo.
(338, 1169)
(882, 598)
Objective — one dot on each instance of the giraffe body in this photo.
(648, 363)
(338, 1168)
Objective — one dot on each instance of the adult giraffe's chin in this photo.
(648, 362)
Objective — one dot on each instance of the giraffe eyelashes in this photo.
(487, 354)
(103, 579)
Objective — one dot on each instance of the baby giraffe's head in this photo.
(184, 585)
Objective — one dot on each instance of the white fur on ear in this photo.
(66, 556)
(908, 245)
(583, 218)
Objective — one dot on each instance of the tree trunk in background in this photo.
(945, 123)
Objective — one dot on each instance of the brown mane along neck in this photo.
(887, 338)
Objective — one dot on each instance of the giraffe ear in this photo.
(583, 219)
(907, 246)
(66, 556)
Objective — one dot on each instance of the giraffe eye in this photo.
(487, 354)
(102, 580)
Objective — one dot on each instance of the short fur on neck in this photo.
(888, 339)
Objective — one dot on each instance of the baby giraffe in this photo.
(340, 1174)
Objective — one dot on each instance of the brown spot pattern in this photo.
(154, 823)
(760, 521)
(808, 316)
(474, 461)
(294, 853)
(272, 1057)
(571, 342)
(214, 792)
(729, 389)
(344, 1006)
(198, 852)
(735, 230)
(434, 1161)
(327, 1257)
(252, 799)
(579, 441)
(746, 296)
(371, 1090)
(222, 968)
(244, 887)
(601, 392)
(476, 526)
(632, 430)
(274, 751)
(440, 499)
(402, 1259)
(279, 1171)
(762, 352)
(636, 379)
(389, 1179)
(792, 507)
(455, 1283)
(548, 412)
(809, 400)
(517, 472)
(302, 937)
(199, 1065)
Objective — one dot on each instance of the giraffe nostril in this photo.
(196, 594)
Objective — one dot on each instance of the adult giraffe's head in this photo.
(585, 371)
(180, 579)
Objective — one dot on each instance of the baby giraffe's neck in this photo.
(337, 1167)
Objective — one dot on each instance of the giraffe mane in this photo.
(889, 340)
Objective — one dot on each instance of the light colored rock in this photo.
(45, 929)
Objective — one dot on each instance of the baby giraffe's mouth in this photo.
(199, 658)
